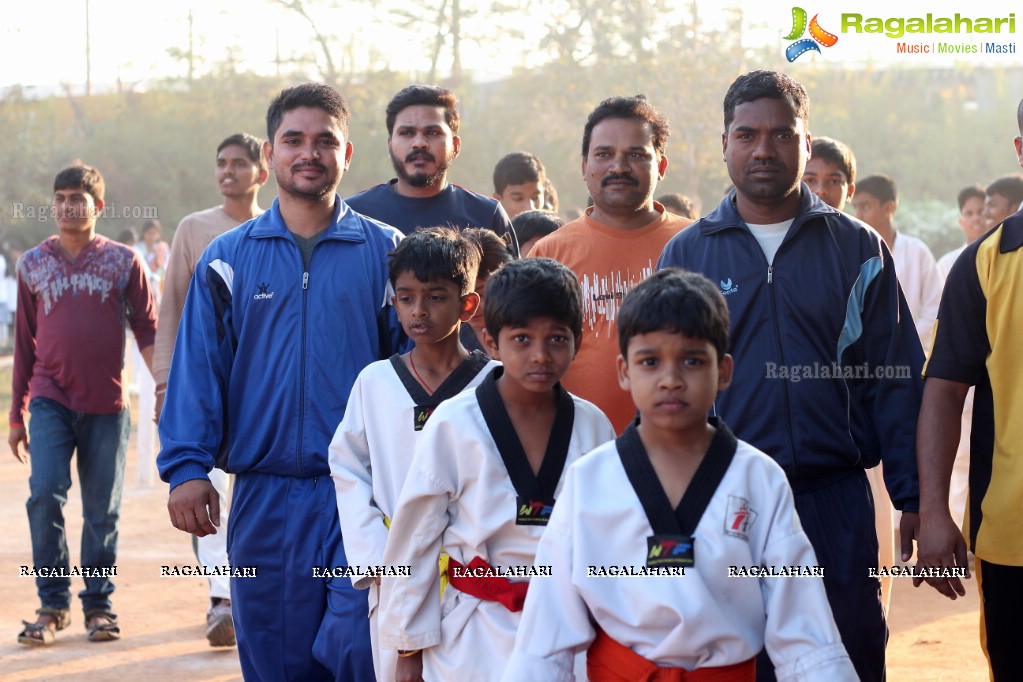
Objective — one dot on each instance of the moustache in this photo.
(308, 164)
(613, 177)
(426, 156)
(766, 163)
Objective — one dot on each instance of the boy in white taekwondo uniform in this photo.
(686, 517)
(484, 478)
(432, 272)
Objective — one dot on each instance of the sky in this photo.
(42, 43)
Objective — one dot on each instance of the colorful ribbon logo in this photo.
(817, 35)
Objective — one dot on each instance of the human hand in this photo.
(409, 668)
(909, 530)
(194, 507)
(941, 545)
(17, 436)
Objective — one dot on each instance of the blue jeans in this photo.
(55, 432)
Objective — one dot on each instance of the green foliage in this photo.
(933, 130)
(156, 149)
(934, 221)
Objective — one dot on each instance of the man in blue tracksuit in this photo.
(281, 315)
(827, 358)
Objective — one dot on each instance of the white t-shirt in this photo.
(946, 261)
(921, 283)
(770, 237)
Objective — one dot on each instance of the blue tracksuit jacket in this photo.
(829, 304)
(267, 352)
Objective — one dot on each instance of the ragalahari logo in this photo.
(817, 36)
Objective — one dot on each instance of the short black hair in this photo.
(433, 253)
(252, 145)
(836, 152)
(496, 251)
(638, 108)
(755, 85)
(679, 204)
(79, 175)
(314, 95)
(1009, 186)
(880, 186)
(675, 301)
(526, 289)
(518, 168)
(430, 95)
(534, 224)
(967, 193)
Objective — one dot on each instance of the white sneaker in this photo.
(220, 624)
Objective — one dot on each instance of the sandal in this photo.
(101, 625)
(43, 634)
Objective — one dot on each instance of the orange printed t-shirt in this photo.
(608, 262)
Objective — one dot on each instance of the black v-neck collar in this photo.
(683, 519)
(542, 485)
(456, 382)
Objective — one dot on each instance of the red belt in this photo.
(610, 661)
(488, 588)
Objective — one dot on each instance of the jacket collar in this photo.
(1012, 233)
(343, 225)
(726, 215)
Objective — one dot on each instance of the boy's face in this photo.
(237, 174)
(870, 210)
(971, 219)
(535, 356)
(828, 181)
(75, 210)
(526, 196)
(996, 209)
(674, 379)
(430, 311)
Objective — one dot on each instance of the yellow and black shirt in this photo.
(979, 341)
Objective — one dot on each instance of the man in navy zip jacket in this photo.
(281, 315)
(827, 359)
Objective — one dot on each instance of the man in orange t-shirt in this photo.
(615, 245)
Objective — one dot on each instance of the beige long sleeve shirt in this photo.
(194, 234)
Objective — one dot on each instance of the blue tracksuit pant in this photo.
(291, 625)
(838, 518)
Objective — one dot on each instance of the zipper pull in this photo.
(770, 273)
(305, 280)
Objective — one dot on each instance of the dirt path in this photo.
(163, 619)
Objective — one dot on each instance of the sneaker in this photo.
(220, 623)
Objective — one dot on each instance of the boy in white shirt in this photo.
(432, 272)
(661, 540)
(486, 473)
